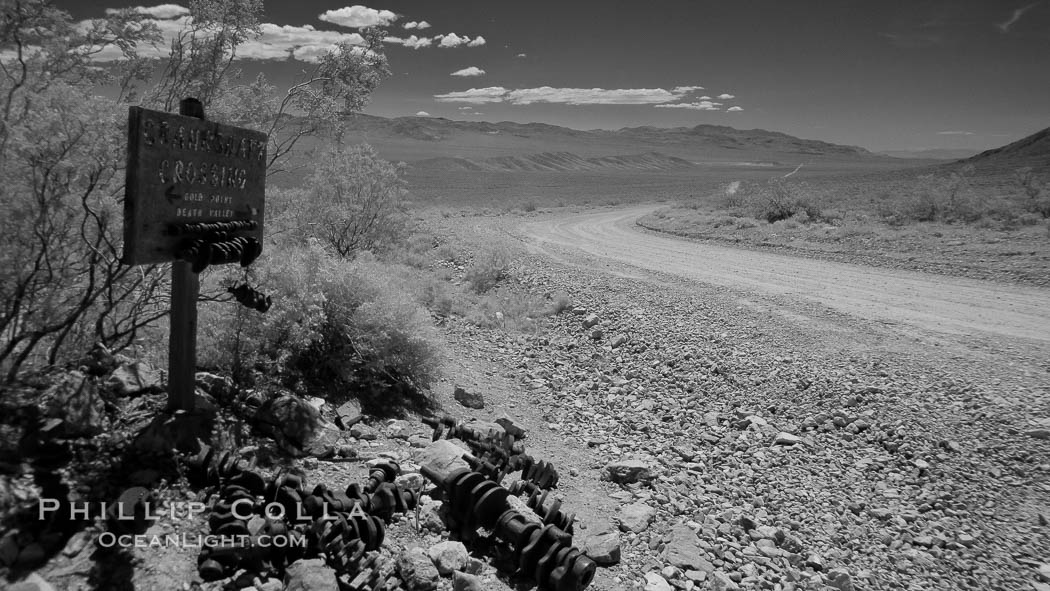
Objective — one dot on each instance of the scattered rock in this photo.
(348, 414)
(510, 427)
(839, 578)
(654, 582)
(441, 456)
(684, 551)
(448, 556)
(289, 419)
(310, 575)
(597, 334)
(618, 341)
(785, 438)
(134, 378)
(417, 571)
(721, 582)
(364, 432)
(468, 399)
(627, 471)
(1039, 433)
(636, 517)
(220, 388)
(590, 320)
(466, 582)
(601, 545)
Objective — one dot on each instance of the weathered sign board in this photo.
(184, 170)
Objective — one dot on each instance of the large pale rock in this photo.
(441, 456)
(417, 571)
(627, 471)
(601, 545)
(310, 575)
(448, 556)
(636, 517)
(684, 551)
(134, 378)
(654, 582)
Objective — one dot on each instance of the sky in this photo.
(881, 74)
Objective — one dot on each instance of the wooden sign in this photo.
(183, 170)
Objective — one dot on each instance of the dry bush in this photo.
(560, 302)
(487, 270)
(510, 310)
(335, 324)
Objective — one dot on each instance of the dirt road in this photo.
(941, 304)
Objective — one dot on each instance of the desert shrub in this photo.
(355, 201)
(510, 310)
(529, 206)
(779, 200)
(487, 270)
(732, 197)
(446, 252)
(336, 325)
(560, 302)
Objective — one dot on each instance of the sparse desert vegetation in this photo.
(946, 220)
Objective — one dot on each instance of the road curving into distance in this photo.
(936, 303)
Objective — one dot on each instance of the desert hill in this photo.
(557, 162)
(414, 139)
(1033, 150)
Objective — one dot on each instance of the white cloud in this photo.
(467, 108)
(411, 42)
(726, 96)
(1014, 17)
(704, 98)
(304, 43)
(161, 11)
(478, 41)
(734, 109)
(451, 40)
(358, 16)
(698, 106)
(422, 114)
(522, 55)
(568, 96)
(471, 71)
(416, 25)
(686, 89)
(954, 133)
(475, 96)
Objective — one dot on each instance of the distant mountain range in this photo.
(930, 154)
(557, 162)
(478, 145)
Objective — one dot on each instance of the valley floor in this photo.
(918, 461)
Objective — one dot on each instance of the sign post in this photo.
(194, 196)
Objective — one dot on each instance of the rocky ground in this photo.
(706, 443)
